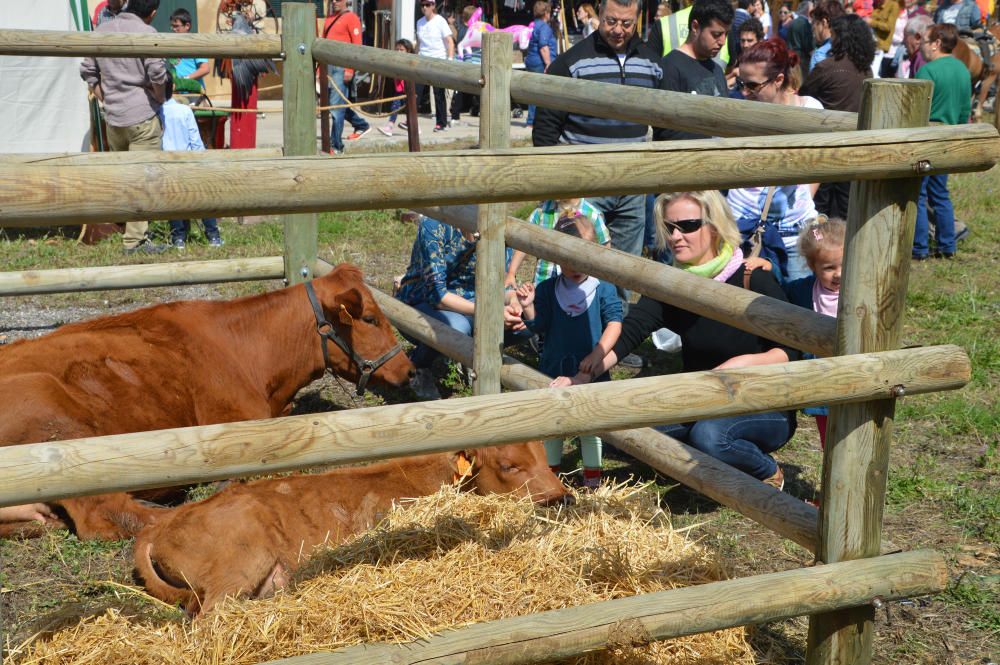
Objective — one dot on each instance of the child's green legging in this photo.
(590, 450)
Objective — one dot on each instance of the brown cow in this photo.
(968, 52)
(247, 539)
(182, 364)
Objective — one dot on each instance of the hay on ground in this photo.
(438, 562)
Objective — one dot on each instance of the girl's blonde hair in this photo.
(714, 210)
(588, 9)
(819, 235)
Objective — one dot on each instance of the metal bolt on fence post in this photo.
(302, 49)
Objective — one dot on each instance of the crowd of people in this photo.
(783, 241)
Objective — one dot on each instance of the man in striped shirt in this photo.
(613, 54)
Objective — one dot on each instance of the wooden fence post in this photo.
(298, 32)
(876, 270)
(494, 132)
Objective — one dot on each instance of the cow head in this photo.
(517, 468)
(357, 320)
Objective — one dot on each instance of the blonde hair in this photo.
(588, 9)
(819, 235)
(714, 210)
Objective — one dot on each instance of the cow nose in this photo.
(412, 373)
(566, 499)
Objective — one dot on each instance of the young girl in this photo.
(822, 246)
(405, 46)
(581, 317)
(547, 215)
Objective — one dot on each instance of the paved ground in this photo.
(269, 131)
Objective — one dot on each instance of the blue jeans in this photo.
(744, 442)
(179, 228)
(934, 192)
(538, 69)
(625, 217)
(423, 356)
(394, 109)
(359, 123)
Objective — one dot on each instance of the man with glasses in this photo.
(692, 68)
(613, 54)
(434, 40)
(343, 25)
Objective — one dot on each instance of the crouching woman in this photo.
(699, 230)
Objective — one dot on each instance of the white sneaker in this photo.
(424, 385)
(387, 130)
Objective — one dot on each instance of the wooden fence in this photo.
(884, 148)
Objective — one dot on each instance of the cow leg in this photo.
(108, 516)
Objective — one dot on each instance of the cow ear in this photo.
(351, 306)
(462, 462)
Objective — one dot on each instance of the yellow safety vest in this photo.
(675, 32)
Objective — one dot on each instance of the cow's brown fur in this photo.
(182, 364)
(246, 540)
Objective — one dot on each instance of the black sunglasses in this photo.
(751, 86)
(684, 225)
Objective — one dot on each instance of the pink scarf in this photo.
(825, 300)
(730, 268)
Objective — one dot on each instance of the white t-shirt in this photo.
(433, 36)
(810, 103)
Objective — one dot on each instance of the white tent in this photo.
(43, 101)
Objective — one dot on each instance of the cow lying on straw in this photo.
(189, 363)
(247, 539)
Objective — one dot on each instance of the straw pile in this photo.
(441, 561)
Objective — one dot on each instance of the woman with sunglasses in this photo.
(769, 72)
(701, 233)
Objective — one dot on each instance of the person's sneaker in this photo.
(216, 241)
(777, 481)
(387, 130)
(147, 246)
(632, 361)
(424, 386)
(454, 122)
(178, 243)
(357, 135)
(440, 128)
(961, 231)
(403, 125)
(336, 151)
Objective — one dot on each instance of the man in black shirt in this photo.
(691, 68)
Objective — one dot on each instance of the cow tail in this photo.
(156, 585)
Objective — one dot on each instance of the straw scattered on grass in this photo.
(438, 562)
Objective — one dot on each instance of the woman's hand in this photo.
(512, 318)
(31, 512)
(580, 379)
(591, 363)
(769, 357)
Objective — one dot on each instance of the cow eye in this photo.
(369, 320)
(508, 468)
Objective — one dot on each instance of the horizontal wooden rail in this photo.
(163, 45)
(41, 471)
(782, 513)
(66, 280)
(638, 620)
(713, 116)
(780, 321)
(52, 194)
(105, 158)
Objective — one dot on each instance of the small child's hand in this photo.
(561, 382)
(755, 262)
(526, 294)
(589, 364)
